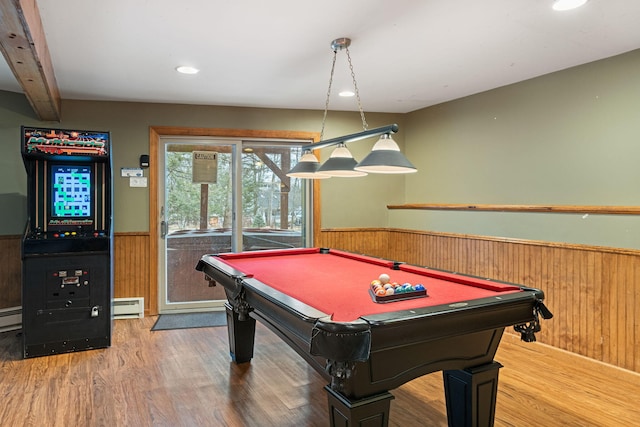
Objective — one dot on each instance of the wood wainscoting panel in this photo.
(593, 292)
(10, 271)
(370, 241)
(132, 265)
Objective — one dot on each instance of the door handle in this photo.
(164, 229)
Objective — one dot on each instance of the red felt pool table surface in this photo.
(337, 283)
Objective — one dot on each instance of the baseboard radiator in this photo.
(128, 308)
(10, 319)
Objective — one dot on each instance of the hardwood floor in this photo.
(185, 378)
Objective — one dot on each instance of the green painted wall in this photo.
(567, 138)
(129, 126)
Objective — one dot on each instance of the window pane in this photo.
(273, 214)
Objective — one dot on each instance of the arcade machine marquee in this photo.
(67, 267)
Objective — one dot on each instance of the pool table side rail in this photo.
(464, 279)
(529, 297)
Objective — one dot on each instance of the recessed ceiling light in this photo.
(567, 4)
(346, 93)
(187, 70)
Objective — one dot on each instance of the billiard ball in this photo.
(390, 291)
(419, 287)
(380, 292)
(384, 278)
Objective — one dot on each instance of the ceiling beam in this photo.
(24, 46)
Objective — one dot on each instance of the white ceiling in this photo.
(406, 54)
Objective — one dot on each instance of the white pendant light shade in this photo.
(307, 168)
(385, 157)
(341, 163)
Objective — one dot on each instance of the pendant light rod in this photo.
(353, 137)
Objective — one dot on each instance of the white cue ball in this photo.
(384, 278)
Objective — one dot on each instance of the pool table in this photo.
(320, 302)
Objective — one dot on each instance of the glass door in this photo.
(223, 196)
(197, 210)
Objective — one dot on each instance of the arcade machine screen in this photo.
(71, 192)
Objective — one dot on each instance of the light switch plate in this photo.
(125, 172)
(138, 181)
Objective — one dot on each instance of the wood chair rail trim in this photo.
(580, 209)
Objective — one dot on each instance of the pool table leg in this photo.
(241, 335)
(471, 395)
(372, 411)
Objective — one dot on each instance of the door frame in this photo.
(155, 132)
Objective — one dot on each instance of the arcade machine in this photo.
(67, 267)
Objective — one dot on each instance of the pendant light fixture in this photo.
(384, 158)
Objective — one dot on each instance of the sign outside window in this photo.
(204, 167)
